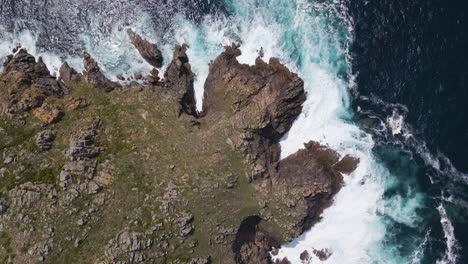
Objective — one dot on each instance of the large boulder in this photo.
(149, 51)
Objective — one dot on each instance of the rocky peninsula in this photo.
(98, 171)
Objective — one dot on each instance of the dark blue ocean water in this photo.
(412, 57)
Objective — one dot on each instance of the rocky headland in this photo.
(97, 171)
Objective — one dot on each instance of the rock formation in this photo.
(29, 83)
(261, 100)
(94, 75)
(147, 50)
(68, 75)
(179, 81)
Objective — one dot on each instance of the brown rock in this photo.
(137, 76)
(305, 256)
(179, 81)
(30, 83)
(147, 50)
(347, 164)
(49, 113)
(263, 100)
(74, 103)
(94, 75)
(308, 178)
(68, 75)
(322, 254)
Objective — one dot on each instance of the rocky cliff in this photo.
(95, 171)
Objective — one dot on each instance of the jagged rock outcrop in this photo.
(179, 81)
(307, 182)
(251, 244)
(94, 75)
(68, 75)
(45, 139)
(263, 100)
(149, 51)
(29, 83)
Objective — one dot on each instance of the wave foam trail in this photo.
(449, 233)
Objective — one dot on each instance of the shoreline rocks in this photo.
(147, 50)
(94, 75)
(30, 83)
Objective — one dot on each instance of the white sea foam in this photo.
(395, 121)
(419, 253)
(449, 234)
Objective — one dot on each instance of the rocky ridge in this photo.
(168, 183)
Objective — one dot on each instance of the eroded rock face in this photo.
(307, 182)
(263, 100)
(247, 107)
(149, 51)
(179, 81)
(94, 75)
(29, 83)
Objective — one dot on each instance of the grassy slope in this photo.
(142, 138)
